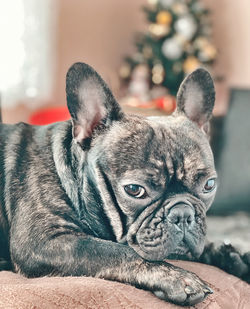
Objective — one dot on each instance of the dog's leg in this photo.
(69, 253)
(229, 259)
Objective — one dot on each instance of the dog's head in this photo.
(153, 177)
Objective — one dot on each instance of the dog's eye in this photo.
(135, 191)
(210, 185)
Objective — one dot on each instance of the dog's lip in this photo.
(193, 248)
(186, 248)
(160, 255)
(152, 252)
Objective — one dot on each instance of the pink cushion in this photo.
(82, 292)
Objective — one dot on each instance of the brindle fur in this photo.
(62, 208)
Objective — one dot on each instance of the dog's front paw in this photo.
(229, 259)
(246, 259)
(177, 285)
(240, 265)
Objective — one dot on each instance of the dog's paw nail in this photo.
(189, 290)
(208, 290)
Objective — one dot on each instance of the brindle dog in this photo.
(110, 195)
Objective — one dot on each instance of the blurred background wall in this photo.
(101, 33)
(231, 27)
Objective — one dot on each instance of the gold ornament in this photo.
(164, 18)
(190, 64)
(211, 51)
(200, 42)
(158, 31)
(157, 74)
(157, 79)
(207, 50)
(158, 69)
(125, 70)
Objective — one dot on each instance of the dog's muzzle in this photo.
(176, 228)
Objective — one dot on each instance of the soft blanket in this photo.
(17, 292)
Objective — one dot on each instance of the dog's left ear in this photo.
(196, 97)
(90, 102)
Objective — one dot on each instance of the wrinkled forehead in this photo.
(187, 148)
(156, 143)
(183, 140)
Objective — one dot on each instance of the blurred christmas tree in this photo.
(176, 43)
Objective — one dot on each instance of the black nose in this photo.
(181, 215)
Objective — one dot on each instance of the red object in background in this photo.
(49, 115)
(167, 104)
(61, 113)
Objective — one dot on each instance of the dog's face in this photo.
(154, 177)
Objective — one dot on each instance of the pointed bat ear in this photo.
(90, 102)
(196, 97)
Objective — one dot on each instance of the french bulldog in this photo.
(110, 195)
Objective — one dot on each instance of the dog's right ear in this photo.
(90, 102)
(196, 97)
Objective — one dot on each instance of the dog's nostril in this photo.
(181, 215)
(189, 219)
(176, 220)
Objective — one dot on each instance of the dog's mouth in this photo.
(166, 250)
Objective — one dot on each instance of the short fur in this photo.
(64, 204)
